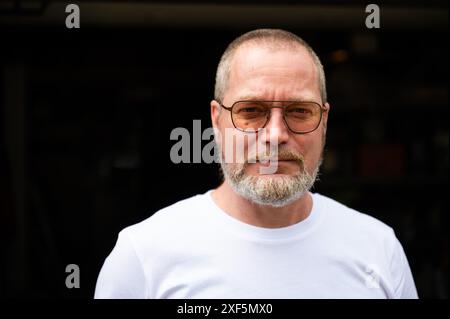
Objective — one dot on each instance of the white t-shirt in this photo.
(193, 249)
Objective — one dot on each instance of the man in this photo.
(262, 234)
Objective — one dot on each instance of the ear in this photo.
(215, 113)
(325, 116)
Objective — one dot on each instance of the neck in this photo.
(261, 215)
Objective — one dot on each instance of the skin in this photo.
(262, 73)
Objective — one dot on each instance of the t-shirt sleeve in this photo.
(404, 287)
(122, 275)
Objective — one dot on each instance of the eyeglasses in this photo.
(301, 117)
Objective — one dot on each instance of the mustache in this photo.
(280, 155)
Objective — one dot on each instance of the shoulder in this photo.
(169, 222)
(356, 225)
(366, 238)
(126, 271)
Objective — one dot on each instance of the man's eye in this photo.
(250, 109)
(299, 110)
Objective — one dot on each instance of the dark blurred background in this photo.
(86, 116)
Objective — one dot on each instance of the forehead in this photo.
(273, 72)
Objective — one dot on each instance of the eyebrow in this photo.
(256, 98)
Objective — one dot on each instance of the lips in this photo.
(277, 159)
(274, 160)
(280, 157)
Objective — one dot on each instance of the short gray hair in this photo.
(272, 38)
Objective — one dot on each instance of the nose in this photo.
(276, 129)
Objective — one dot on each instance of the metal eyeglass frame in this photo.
(323, 109)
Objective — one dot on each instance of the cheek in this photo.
(235, 145)
(223, 128)
(311, 148)
(225, 119)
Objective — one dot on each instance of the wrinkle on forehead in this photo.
(258, 69)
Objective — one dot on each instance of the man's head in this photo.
(271, 65)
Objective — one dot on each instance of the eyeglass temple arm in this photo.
(225, 107)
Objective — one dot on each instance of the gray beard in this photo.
(269, 191)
